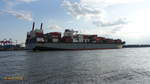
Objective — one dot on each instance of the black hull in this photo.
(72, 46)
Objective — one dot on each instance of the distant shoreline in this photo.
(135, 46)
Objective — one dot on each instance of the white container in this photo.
(55, 40)
(86, 40)
(40, 39)
(75, 40)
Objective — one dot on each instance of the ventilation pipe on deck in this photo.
(41, 26)
(33, 26)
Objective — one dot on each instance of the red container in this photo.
(118, 41)
(101, 38)
(109, 41)
(55, 34)
(67, 39)
(39, 34)
(85, 36)
(93, 36)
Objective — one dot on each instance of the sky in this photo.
(124, 19)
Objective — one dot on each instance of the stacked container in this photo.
(75, 39)
(118, 41)
(55, 36)
(93, 38)
(86, 38)
(109, 41)
(39, 35)
(100, 39)
(80, 38)
(67, 39)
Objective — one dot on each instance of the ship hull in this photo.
(71, 46)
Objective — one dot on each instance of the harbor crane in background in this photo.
(8, 42)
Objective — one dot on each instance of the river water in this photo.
(114, 66)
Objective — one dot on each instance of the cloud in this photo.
(20, 14)
(24, 15)
(95, 11)
(1, 12)
(108, 2)
(120, 21)
(77, 10)
(55, 27)
(27, 1)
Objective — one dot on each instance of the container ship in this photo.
(70, 40)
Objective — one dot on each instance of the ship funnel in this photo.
(41, 26)
(33, 26)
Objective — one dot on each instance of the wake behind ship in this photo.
(71, 40)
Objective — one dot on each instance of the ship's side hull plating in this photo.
(71, 46)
